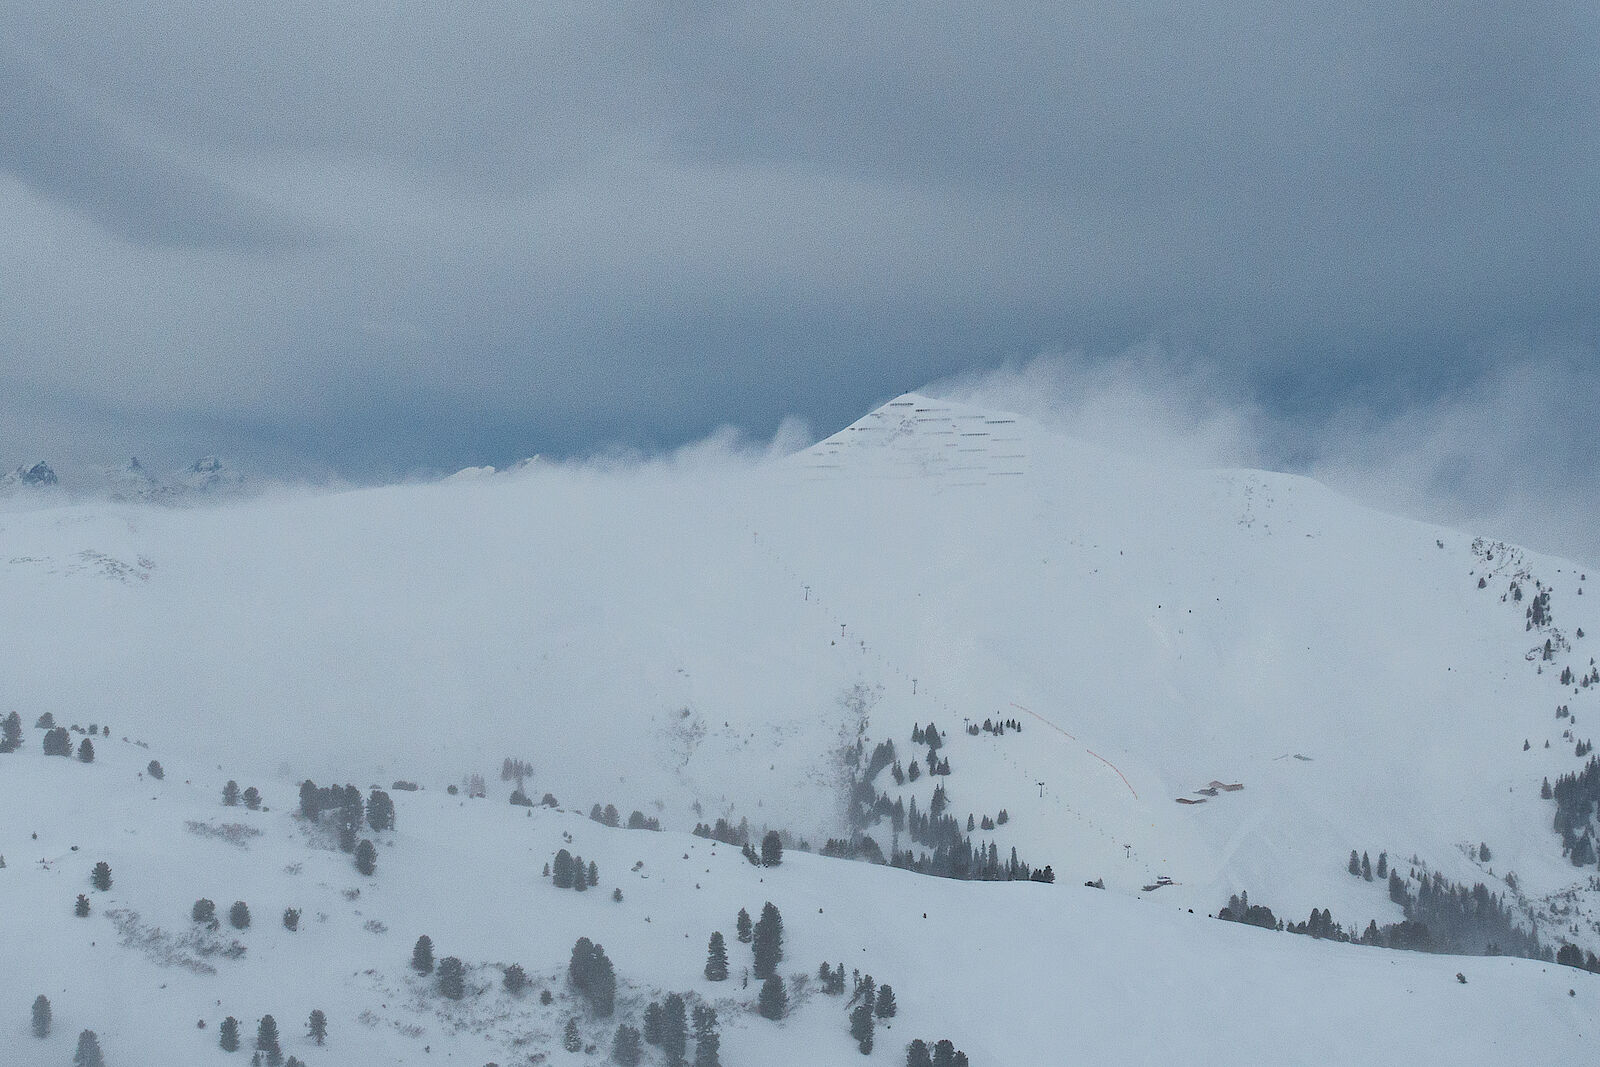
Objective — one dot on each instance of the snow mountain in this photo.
(1179, 685)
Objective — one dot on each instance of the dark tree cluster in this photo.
(638, 820)
(57, 742)
(861, 847)
(941, 1053)
(568, 872)
(606, 816)
(232, 797)
(1573, 956)
(707, 1039)
(723, 831)
(516, 770)
(11, 733)
(882, 756)
(591, 974)
(1576, 795)
(1440, 917)
(667, 1027)
(343, 808)
(1360, 866)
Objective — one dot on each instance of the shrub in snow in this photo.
(239, 915)
(41, 1016)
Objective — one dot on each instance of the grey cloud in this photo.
(426, 235)
(68, 153)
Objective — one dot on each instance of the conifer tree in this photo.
(561, 873)
(707, 1041)
(742, 928)
(88, 1054)
(944, 1053)
(81, 908)
(674, 1029)
(310, 800)
(771, 849)
(267, 1040)
(1354, 866)
(917, 1054)
(717, 959)
(252, 798)
(594, 873)
(1383, 865)
(653, 1019)
(100, 878)
(886, 1005)
(366, 857)
(239, 915)
(861, 1028)
(57, 742)
(204, 911)
(317, 1026)
(41, 1011)
(773, 1000)
(380, 811)
(422, 955)
(11, 733)
(452, 978)
(230, 793)
(1366, 867)
(228, 1034)
(625, 1046)
(570, 1040)
(602, 989)
(291, 919)
(516, 979)
(767, 941)
(86, 751)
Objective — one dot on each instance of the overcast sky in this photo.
(381, 238)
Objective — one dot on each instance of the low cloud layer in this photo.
(332, 237)
(1510, 455)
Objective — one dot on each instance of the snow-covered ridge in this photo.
(713, 640)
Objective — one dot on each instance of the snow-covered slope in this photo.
(712, 637)
(1011, 973)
